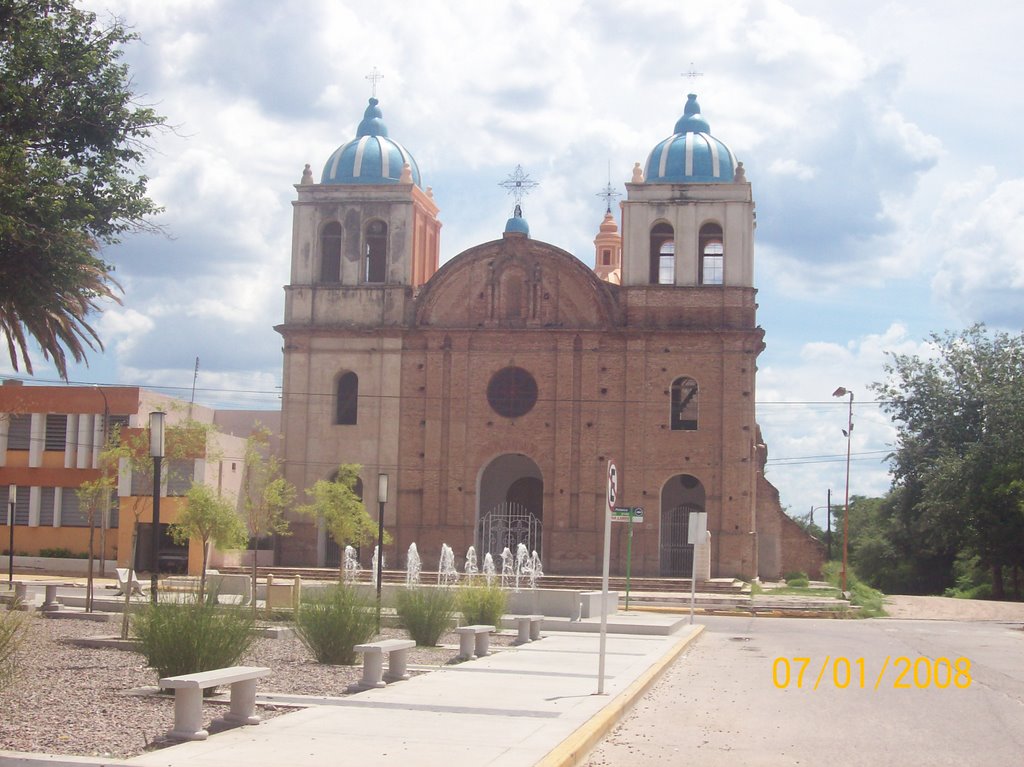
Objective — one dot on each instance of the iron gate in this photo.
(508, 525)
(676, 550)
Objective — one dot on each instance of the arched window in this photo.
(712, 255)
(684, 404)
(663, 255)
(376, 251)
(330, 253)
(347, 399)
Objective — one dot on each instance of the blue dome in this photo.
(691, 155)
(517, 224)
(370, 158)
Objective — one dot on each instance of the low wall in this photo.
(57, 566)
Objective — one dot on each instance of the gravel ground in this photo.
(77, 701)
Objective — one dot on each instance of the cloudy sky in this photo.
(881, 139)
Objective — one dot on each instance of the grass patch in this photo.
(426, 613)
(186, 637)
(331, 625)
(869, 600)
(12, 633)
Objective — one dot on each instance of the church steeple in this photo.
(608, 250)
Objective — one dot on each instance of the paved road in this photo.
(719, 703)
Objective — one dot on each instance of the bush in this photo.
(868, 599)
(186, 637)
(482, 604)
(12, 632)
(62, 553)
(426, 613)
(798, 581)
(331, 625)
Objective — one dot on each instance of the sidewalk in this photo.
(534, 704)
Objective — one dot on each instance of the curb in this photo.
(571, 750)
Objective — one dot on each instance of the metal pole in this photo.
(154, 563)
(380, 555)
(846, 507)
(629, 555)
(12, 499)
(828, 522)
(105, 510)
(693, 583)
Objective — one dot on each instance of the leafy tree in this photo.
(343, 513)
(212, 519)
(71, 140)
(960, 449)
(266, 494)
(93, 499)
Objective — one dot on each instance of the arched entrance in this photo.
(511, 505)
(681, 496)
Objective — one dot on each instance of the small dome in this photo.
(517, 224)
(370, 158)
(691, 154)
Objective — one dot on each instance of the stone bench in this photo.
(397, 651)
(474, 641)
(188, 698)
(529, 627)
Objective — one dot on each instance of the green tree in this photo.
(960, 449)
(212, 519)
(71, 140)
(266, 494)
(342, 511)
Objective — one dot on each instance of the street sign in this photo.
(623, 513)
(613, 485)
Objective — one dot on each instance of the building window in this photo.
(512, 392)
(347, 399)
(712, 255)
(606, 258)
(21, 504)
(180, 474)
(663, 255)
(330, 253)
(46, 505)
(684, 404)
(71, 514)
(376, 251)
(19, 431)
(56, 431)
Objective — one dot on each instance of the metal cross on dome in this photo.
(374, 77)
(519, 184)
(692, 75)
(609, 192)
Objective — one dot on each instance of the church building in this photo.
(494, 390)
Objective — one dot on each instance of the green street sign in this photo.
(624, 513)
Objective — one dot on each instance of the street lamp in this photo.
(382, 498)
(105, 511)
(848, 433)
(12, 498)
(156, 450)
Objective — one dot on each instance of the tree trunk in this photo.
(88, 577)
(997, 582)
(254, 556)
(202, 575)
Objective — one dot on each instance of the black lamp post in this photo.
(156, 450)
(848, 433)
(382, 498)
(12, 498)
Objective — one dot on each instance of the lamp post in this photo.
(156, 450)
(382, 498)
(12, 498)
(848, 433)
(105, 511)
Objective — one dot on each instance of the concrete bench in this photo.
(529, 627)
(230, 585)
(474, 641)
(188, 698)
(397, 651)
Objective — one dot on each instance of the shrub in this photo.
(426, 613)
(186, 637)
(798, 581)
(12, 632)
(62, 553)
(868, 599)
(482, 604)
(795, 575)
(331, 625)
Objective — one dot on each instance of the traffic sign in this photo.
(623, 513)
(613, 485)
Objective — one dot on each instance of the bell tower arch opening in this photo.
(510, 508)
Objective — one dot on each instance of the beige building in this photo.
(494, 391)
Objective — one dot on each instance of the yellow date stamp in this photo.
(843, 673)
